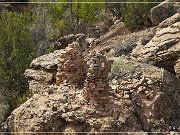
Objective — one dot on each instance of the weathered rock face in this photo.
(145, 98)
(46, 62)
(169, 21)
(151, 93)
(134, 97)
(43, 72)
(164, 10)
(163, 49)
(63, 42)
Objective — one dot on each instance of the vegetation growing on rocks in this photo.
(17, 51)
(137, 15)
(80, 67)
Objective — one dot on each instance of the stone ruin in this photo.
(96, 87)
(72, 66)
(92, 72)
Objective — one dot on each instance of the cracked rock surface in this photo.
(42, 72)
(163, 50)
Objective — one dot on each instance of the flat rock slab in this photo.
(47, 62)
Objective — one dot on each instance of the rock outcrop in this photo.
(62, 42)
(138, 94)
(43, 72)
(146, 90)
(163, 49)
(145, 98)
(169, 21)
(164, 10)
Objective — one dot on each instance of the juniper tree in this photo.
(16, 51)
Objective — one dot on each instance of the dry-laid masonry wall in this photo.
(72, 66)
(93, 73)
(96, 86)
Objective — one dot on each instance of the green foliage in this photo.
(1, 110)
(50, 49)
(58, 27)
(120, 68)
(70, 16)
(133, 13)
(88, 11)
(16, 51)
(40, 28)
(16, 100)
(115, 9)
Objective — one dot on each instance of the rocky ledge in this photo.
(142, 98)
(163, 50)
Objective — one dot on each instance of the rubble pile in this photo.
(72, 66)
(96, 87)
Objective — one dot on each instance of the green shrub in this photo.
(67, 18)
(50, 49)
(134, 13)
(16, 51)
(1, 110)
(16, 100)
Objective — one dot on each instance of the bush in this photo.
(16, 100)
(115, 9)
(16, 51)
(119, 69)
(134, 13)
(1, 111)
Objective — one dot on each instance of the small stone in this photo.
(75, 107)
(126, 96)
(149, 81)
(70, 114)
(64, 115)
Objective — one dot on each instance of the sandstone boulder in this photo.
(46, 62)
(163, 49)
(151, 93)
(43, 72)
(164, 10)
(63, 42)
